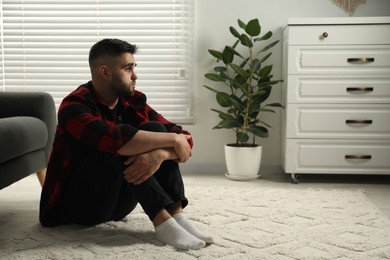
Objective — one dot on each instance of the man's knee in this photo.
(153, 126)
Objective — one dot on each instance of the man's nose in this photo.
(134, 76)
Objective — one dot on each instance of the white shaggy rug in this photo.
(256, 223)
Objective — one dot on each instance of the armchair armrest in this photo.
(35, 104)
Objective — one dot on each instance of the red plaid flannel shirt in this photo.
(84, 123)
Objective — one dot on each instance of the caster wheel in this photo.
(295, 178)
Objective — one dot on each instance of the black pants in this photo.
(97, 191)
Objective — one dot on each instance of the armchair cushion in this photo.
(27, 128)
(21, 135)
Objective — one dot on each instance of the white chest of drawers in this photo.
(336, 93)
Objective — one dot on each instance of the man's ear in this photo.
(104, 71)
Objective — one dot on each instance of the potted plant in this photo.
(245, 84)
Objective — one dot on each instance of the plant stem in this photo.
(249, 82)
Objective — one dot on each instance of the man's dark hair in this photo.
(111, 48)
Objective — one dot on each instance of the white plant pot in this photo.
(243, 163)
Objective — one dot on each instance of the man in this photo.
(112, 150)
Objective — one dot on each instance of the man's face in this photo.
(123, 78)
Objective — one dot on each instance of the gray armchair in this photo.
(27, 127)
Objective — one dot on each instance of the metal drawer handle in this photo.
(358, 122)
(357, 157)
(360, 90)
(360, 60)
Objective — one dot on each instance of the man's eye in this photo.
(131, 67)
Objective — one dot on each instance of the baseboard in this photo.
(210, 168)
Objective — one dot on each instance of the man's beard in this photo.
(120, 88)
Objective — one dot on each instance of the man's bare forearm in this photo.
(168, 154)
(145, 141)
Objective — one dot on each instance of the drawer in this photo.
(338, 89)
(338, 34)
(338, 60)
(338, 121)
(337, 156)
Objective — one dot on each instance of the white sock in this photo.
(171, 233)
(187, 225)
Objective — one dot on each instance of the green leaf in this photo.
(254, 115)
(240, 119)
(227, 123)
(265, 57)
(210, 88)
(223, 99)
(227, 55)
(264, 80)
(264, 37)
(241, 24)
(238, 80)
(259, 131)
(246, 41)
(232, 50)
(269, 46)
(244, 62)
(222, 114)
(268, 83)
(253, 28)
(258, 93)
(262, 95)
(267, 125)
(220, 69)
(267, 110)
(213, 77)
(265, 71)
(254, 107)
(234, 32)
(224, 76)
(244, 88)
(216, 54)
(236, 103)
(256, 64)
(274, 105)
(242, 137)
(239, 70)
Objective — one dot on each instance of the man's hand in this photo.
(142, 166)
(182, 148)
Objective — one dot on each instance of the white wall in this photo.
(213, 18)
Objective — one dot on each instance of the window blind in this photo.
(45, 46)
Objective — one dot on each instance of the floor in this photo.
(19, 202)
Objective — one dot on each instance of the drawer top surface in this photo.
(338, 20)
